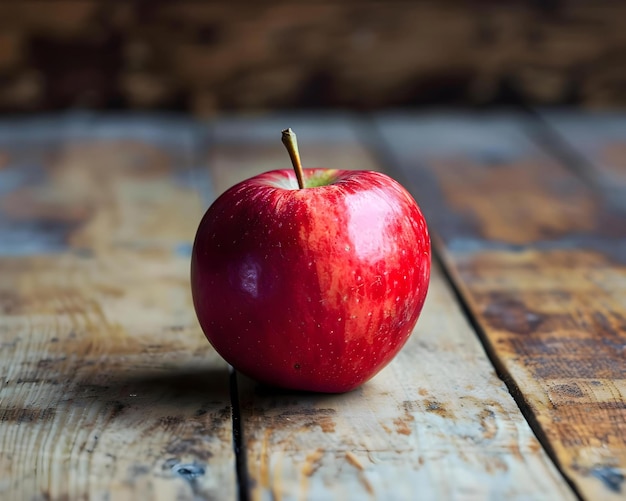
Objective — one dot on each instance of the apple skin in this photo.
(312, 289)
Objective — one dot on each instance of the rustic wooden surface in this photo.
(596, 144)
(538, 255)
(108, 388)
(437, 421)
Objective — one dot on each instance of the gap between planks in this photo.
(550, 140)
(241, 458)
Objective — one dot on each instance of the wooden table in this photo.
(513, 385)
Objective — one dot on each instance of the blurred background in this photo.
(205, 57)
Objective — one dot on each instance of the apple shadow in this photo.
(250, 390)
(187, 384)
(184, 391)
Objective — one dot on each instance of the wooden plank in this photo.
(539, 257)
(437, 423)
(599, 141)
(108, 388)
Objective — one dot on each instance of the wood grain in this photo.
(437, 423)
(539, 257)
(109, 390)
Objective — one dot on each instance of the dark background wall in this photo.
(204, 56)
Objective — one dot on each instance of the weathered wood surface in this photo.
(597, 145)
(435, 424)
(108, 388)
(539, 257)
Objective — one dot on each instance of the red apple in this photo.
(315, 288)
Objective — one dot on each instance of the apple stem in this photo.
(291, 143)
